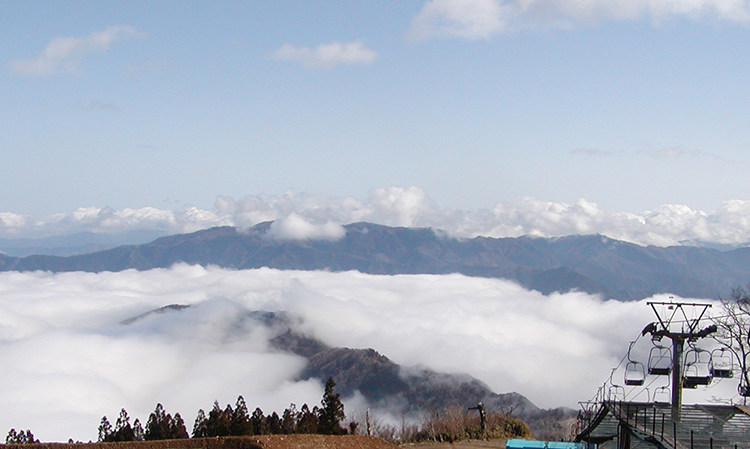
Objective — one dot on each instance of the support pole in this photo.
(677, 349)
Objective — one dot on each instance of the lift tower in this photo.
(669, 315)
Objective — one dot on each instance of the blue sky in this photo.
(630, 105)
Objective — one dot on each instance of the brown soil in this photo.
(254, 442)
(474, 444)
(323, 442)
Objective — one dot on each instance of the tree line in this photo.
(231, 421)
(218, 422)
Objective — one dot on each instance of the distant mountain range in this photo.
(72, 244)
(589, 263)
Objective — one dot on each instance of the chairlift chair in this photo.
(698, 368)
(722, 362)
(616, 393)
(662, 392)
(660, 360)
(635, 373)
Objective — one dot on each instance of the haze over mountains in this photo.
(589, 263)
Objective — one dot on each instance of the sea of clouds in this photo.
(305, 215)
(67, 359)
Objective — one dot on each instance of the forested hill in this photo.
(590, 263)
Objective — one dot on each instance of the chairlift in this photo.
(635, 373)
(722, 362)
(662, 392)
(698, 368)
(616, 393)
(660, 360)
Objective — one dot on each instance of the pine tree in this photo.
(259, 423)
(274, 423)
(331, 414)
(105, 430)
(289, 419)
(308, 420)
(217, 424)
(21, 437)
(178, 430)
(123, 429)
(239, 424)
(138, 433)
(157, 426)
(200, 426)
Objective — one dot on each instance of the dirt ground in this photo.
(474, 444)
(251, 442)
(269, 442)
(322, 442)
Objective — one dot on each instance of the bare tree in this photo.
(733, 331)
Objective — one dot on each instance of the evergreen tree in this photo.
(157, 426)
(289, 420)
(105, 430)
(307, 422)
(217, 424)
(123, 429)
(12, 437)
(21, 437)
(30, 438)
(331, 414)
(178, 430)
(138, 433)
(239, 424)
(274, 424)
(200, 426)
(259, 423)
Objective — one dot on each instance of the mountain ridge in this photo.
(589, 263)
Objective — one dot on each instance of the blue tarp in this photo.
(531, 444)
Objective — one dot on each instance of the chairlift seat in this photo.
(699, 368)
(744, 391)
(722, 362)
(660, 361)
(689, 383)
(635, 374)
(697, 380)
(660, 371)
(723, 373)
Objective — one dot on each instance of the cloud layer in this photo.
(306, 215)
(482, 19)
(64, 54)
(66, 358)
(327, 55)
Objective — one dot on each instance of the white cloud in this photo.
(305, 215)
(295, 227)
(470, 19)
(327, 55)
(482, 19)
(66, 360)
(66, 53)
